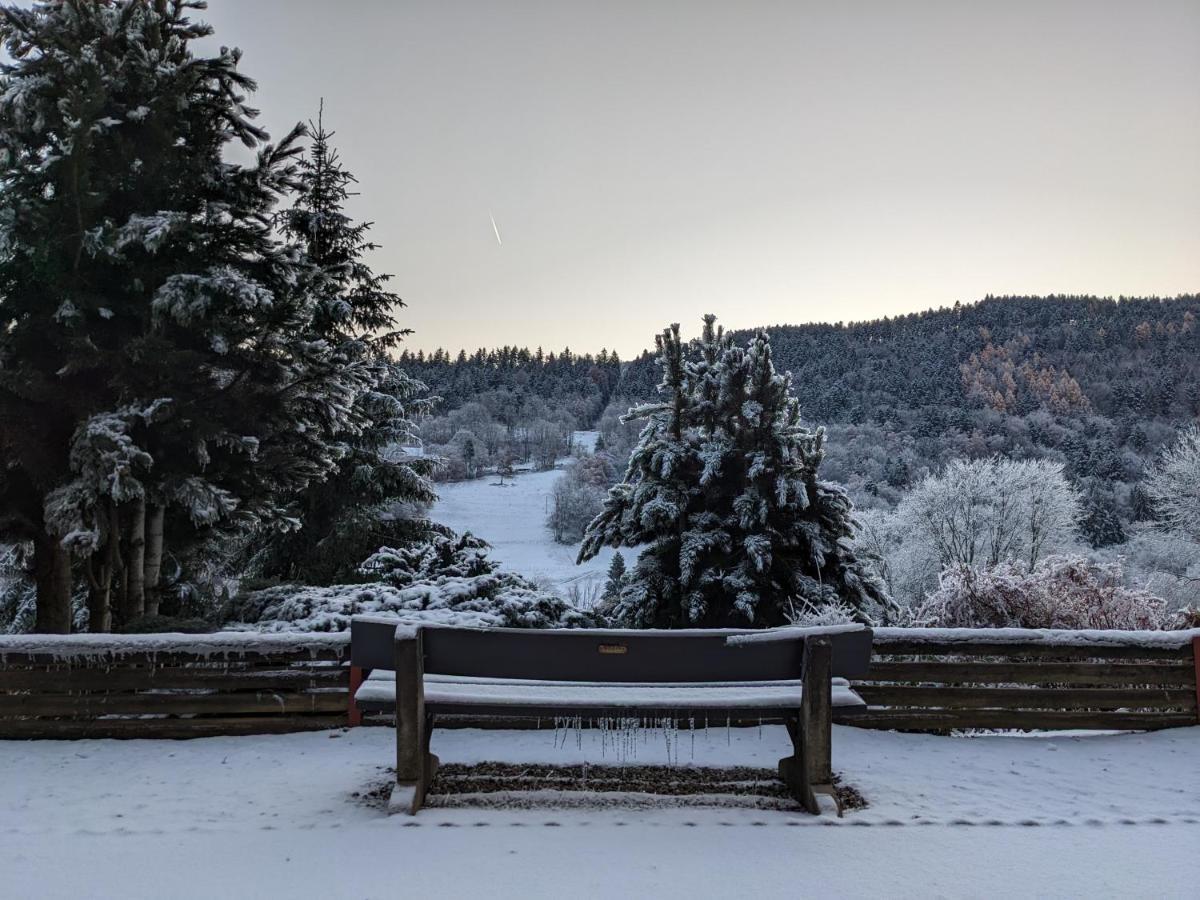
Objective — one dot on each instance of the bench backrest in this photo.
(603, 655)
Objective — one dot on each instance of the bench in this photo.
(794, 675)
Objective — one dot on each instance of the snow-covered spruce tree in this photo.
(723, 487)
(376, 495)
(160, 372)
(615, 580)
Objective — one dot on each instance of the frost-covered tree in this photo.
(984, 512)
(375, 496)
(1174, 484)
(161, 370)
(575, 501)
(723, 488)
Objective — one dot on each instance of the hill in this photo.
(1099, 384)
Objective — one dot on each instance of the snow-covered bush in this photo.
(834, 612)
(463, 556)
(450, 581)
(1060, 592)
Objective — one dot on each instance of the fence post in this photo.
(353, 713)
(1196, 666)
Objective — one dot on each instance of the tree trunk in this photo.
(100, 595)
(52, 574)
(104, 572)
(135, 596)
(154, 556)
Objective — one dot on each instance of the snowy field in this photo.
(1050, 816)
(512, 519)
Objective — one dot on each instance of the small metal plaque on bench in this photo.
(613, 649)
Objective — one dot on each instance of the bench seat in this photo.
(523, 697)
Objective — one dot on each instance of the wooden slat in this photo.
(945, 720)
(885, 647)
(1030, 673)
(894, 696)
(93, 705)
(64, 680)
(72, 729)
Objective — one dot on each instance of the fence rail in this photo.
(175, 686)
(172, 686)
(940, 681)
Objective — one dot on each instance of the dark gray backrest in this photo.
(602, 655)
(373, 642)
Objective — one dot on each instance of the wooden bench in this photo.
(599, 674)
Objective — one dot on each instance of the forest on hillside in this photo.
(1100, 385)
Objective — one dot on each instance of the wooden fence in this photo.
(175, 686)
(944, 679)
(171, 686)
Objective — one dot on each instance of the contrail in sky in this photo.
(495, 229)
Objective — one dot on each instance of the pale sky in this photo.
(647, 162)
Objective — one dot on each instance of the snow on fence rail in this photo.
(920, 679)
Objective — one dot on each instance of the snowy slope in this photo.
(1057, 815)
(513, 520)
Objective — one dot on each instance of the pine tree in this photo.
(161, 375)
(723, 487)
(376, 494)
(616, 577)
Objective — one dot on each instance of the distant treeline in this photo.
(580, 384)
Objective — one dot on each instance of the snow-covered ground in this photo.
(512, 519)
(1055, 815)
(586, 440)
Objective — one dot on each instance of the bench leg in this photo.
(431, 761)
(793, 770)
(415, 765)
(353, 713)
(810, 769)
(816, 709)
(413, 779)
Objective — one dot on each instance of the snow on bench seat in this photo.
(379, 691)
